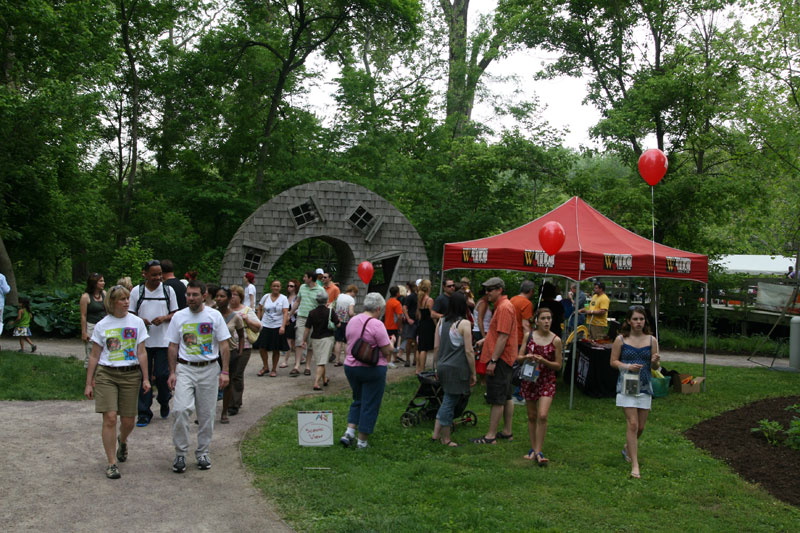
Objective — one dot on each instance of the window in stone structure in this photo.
(305, 213)
(252, 260)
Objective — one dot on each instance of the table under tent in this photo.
(595, 246)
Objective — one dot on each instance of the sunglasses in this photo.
(450, 286)
(152, 263)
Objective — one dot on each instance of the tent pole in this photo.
(705, 333)
(574, 345)
(441, 277)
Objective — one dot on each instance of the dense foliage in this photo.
(155, 127)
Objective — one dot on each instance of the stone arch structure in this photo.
(357, 223)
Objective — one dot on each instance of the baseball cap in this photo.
(319, 271)
(494, 282)
(250, 276)
(419, 281)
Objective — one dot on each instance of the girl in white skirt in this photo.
(634, 353)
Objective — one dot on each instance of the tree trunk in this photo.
(7, 268)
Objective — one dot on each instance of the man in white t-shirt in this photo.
(155, 303)
(197, 338)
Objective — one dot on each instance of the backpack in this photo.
(141, 297)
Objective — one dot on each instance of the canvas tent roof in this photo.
(594, 246)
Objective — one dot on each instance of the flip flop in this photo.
(450, 444)
(636, 476)
(484, 440)
(541, 460)
(509, 437)
(625, 455)
(262, 372)
(338, 364)
(273, 374)
(306, 372)
(294, 373)
(317, 388)
(325, 383)
(282, 365)
(531, 455)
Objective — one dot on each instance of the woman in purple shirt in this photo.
(367, 382)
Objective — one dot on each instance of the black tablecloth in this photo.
(595, 377)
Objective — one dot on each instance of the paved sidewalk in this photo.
(53, 465)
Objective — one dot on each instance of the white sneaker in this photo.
(392, 365)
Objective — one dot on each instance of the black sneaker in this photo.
(346, 440)
(142, 421)
(112, 472)
(179, 465)
(233, 411)
(203, 462)
(122, 451)
(164, 411)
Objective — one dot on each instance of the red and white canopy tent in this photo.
(595, 246)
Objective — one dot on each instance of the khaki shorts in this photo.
(597, 332)
(115, 390)
(299, 330)
(322, 350)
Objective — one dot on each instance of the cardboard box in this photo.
(686, 388)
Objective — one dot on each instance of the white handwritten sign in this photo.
(315, 428)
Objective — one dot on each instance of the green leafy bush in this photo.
(128, 261)
(793, 434)
(56, 311)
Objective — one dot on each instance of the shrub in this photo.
(772, 430)
(55, 311)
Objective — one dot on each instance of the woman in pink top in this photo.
(367, 382)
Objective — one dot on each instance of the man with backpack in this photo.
(155, 303)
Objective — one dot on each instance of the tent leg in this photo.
(705, 334)
(574, 351)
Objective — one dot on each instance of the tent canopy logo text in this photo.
(682, 265)
(474, 255)
(539, 257)
(617, 262)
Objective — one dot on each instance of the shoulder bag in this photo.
(363, 352)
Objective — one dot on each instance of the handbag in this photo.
(363, 352)
(331, 325)
(252, 336)
(524, 371)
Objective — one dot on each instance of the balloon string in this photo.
(542, 288)
(655, 288)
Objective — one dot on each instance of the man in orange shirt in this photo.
(391, 319)
(499, 351)
(330, 287)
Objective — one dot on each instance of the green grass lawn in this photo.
(40, 377)
(405, 483)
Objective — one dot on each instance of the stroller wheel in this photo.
(468, 418)
(409, 419)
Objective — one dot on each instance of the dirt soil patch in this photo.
(728, 437)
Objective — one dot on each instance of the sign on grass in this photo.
(315, 428)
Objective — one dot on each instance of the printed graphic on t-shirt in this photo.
(121, 344)
(197, 338)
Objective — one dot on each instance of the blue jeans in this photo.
(368, 384)
(158, 367)
(446, 411)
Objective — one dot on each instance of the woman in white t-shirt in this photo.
(117, 370)
(345, 310)
(249, 290)
(274, 311)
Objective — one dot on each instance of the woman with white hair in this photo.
(367, 382)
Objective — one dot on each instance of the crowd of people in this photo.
(193, 342)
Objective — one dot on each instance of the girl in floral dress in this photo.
(543, 348)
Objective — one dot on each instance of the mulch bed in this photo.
(728, 437)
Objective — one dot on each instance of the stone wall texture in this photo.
(271, 230)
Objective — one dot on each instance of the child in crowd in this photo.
(22, 327)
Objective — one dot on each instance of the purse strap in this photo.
(365, 327)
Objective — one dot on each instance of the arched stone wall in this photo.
(356, 222)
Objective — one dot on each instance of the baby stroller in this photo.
(427, 400)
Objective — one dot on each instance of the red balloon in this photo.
(552, 236)
(653, 165)
(365, 271)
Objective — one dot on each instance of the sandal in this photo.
(316, 387)
(282, 365)
(484, 440)
(450, 444)
(531, 455)
(325, 383)
(625, 455)
(294, 373)
(509, 437)
(636, 476)
(541, 460)
(273, 374)
(338, 364)
(262, 372)
(306, 372)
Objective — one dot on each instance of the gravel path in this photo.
(53, 466)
